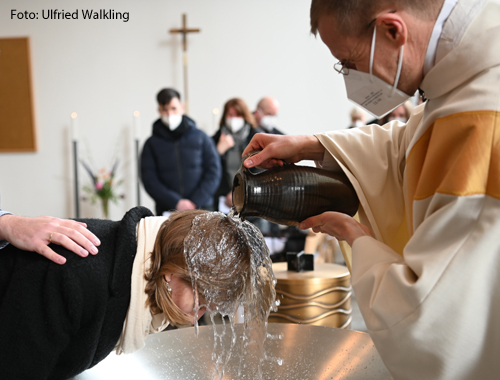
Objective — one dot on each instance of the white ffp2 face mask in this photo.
(236, 123)
(372, 93)
(358, 123)
(173, 121)
(269, 122)
(400, 119)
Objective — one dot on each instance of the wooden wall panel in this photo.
(17, 129)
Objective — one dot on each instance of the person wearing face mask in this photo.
(358, 118)
(401, 113)
(426, 252)
(236, 129)
(266, 116)
(180, 167)
(281, 239)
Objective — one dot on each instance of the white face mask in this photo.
(173, 121)
(358, 123)
(236, 123)
(400, 119)
(372, 93)
(269, 122)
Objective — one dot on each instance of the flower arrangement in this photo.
(104, 187)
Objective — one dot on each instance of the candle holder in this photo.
(74, 139)
(75, 168)
(138, 176)
(137, 138)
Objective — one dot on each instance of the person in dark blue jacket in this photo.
(180, 166)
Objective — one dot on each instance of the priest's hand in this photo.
(275, 150)
(35, 234)
(336, 224)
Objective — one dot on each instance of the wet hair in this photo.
(353, 15)
(212, 253)
(166, 95)
(241, 109)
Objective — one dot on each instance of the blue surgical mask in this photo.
(372, 93)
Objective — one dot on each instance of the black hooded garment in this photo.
(59, 320)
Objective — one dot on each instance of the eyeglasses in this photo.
(342, 67)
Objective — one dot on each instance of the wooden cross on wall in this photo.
(185, 31)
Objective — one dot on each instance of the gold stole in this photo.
(458, 155)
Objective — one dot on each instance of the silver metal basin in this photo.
(307, 353)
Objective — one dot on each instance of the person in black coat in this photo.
(180, 167)
(58, 320)
(236, 129)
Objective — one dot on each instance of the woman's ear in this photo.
(168, 277)
(393, 27)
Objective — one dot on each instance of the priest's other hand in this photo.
(35, 234)
(336, 224)
(275, 150)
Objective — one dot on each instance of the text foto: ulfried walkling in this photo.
(56, 14)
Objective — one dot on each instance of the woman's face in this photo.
(183, 295)
(231, 112)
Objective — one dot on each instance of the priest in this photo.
(426, 253)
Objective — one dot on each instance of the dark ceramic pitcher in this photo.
(290, 194)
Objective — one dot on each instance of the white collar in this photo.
(139, 322)
(456, 25)
(430, 55)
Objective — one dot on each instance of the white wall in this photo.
(106, 69)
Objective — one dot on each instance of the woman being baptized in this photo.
(58, 320)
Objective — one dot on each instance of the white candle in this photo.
(74, 127)
(215, 112)
(137, 125)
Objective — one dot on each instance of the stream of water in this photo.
(230, 267)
